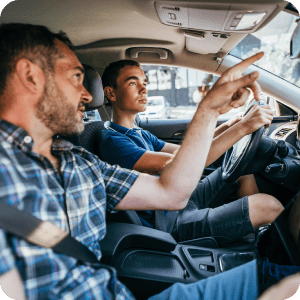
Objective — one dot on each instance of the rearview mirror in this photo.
(295, 43)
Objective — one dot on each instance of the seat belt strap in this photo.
(165, 222)
(41, 233)
(171, 219)
(160, 220)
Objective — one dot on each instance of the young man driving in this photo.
(125, 144)
(42, 95)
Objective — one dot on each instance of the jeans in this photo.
(235, 284)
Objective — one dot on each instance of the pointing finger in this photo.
(236, 71)
(248, 62)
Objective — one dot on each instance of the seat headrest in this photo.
(92, 82)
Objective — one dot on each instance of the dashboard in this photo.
(283, 167)
(286, 132)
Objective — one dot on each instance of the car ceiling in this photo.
(103, 30)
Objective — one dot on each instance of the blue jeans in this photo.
(235, 284)
(270, 273)
(238, 283)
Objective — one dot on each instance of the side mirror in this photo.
(295, 43)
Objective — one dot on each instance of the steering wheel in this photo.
(240, 155)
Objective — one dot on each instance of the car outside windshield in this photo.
(155, 101)
(274, 40)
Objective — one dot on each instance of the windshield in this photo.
(274, 40)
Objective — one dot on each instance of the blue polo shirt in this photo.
(124, 147)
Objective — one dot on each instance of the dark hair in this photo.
(33, 42)
(111, 72)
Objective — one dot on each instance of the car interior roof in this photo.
(103, 30)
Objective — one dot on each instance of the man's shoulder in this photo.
(60, 144)
(6, 152)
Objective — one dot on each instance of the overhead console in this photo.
(209, 25)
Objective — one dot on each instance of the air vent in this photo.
(171, 8)
(174, 23)
(282, 132)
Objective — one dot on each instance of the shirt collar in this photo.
(20, 137)
(119, 128)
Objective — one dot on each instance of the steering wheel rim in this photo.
(237, 159)
(233, 166)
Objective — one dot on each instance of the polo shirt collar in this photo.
(119, 128)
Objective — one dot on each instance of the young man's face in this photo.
(62, 104)
(131, 92)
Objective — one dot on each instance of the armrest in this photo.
(121, 236)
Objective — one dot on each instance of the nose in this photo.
(85, 95)
(143, 89)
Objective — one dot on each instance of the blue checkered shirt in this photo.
(74, 200)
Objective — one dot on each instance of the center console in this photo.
(149, 261)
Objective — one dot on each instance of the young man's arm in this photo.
(172, 189)
(257, 117)
(170, 148)
(228, 135)
(224, 126)
(152, 162)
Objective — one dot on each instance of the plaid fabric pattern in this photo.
(74, 199)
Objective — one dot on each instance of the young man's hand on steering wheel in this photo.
(257, 117)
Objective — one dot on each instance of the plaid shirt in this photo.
(74, 200)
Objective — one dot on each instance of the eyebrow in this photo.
(135, 78)
(80, 69)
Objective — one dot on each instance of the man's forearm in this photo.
(224, 141)
(220, 129)
(193, 152)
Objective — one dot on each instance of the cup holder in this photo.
(201, 260)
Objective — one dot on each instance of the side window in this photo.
(174, 93)
(91, 115)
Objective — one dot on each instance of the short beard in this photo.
(55, 112)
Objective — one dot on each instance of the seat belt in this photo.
(44, 234)
(165, 222)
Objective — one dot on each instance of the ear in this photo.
(109, 93)
(30, 75)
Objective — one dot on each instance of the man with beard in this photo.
(41, 95)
